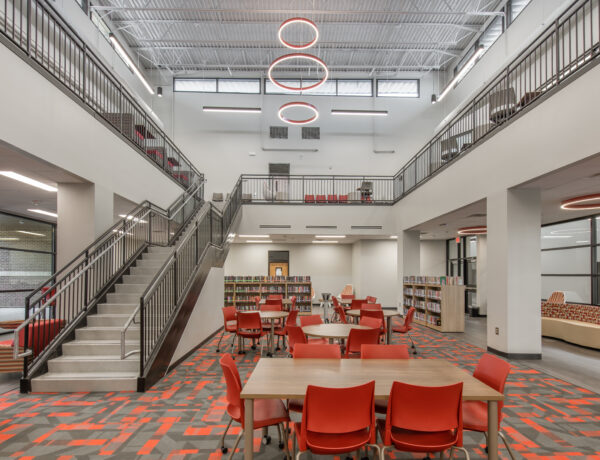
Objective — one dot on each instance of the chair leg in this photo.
(222, 442)
(237, 441)
(506, 444)
(413, 344)
(460, 448)
(219, 344)
(377, 448)
(382, 453)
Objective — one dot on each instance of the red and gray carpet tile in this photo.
(183, 416)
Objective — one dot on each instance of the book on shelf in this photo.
(435, 280)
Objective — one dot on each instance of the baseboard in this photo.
(192, 351)
(515, 355)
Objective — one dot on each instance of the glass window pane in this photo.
(239, 85)
(574, 233)
(21, 270)
(471, 275)
(326, 89)
(196, 85)
(471, 246)
(452, 249)
(492, 33)
(566, 261)
(398, 88)
(270, 88)
(576, 288)
(516, 6)
(355, 88)
(22, 233)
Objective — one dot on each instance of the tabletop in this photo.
(273, 314)
(331, 330)
(386, 313)
(287, 378)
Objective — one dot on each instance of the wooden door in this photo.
(278, 268)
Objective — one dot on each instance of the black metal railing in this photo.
(42, 34)
(161, 301)
(56, 306)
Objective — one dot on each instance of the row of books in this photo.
(435, 280)
(434, 321)
(420, 304)
(434, 307)
(298, 289)
(267, 279)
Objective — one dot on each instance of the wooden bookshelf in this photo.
(438, 306)
(241, 290)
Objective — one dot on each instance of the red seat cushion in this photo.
(6, 344)
(338, 443)
(419, 441)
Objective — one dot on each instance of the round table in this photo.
(331, 330)
(271, 316)
(387, 314)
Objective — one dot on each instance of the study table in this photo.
(284, 378)
(331, 330)
(387, 314)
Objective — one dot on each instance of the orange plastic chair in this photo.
(492, 371)
(229, 323)
(267, 412)
(282, 331)
(310, 320)
(384, 352)
(321, 351)
(407, 326)
(295, 335)
(275, 297)
(373, 323)
(370, 306)
(249, 326)
(371, 299)
(377, 314)
(309, 198)
(423, 419)
(293, 300)
(331, 426)
(274, 306)
(359, 337)
(347, 296)
(320, 199)
(341, 314)
(257, 302)
(357, 304)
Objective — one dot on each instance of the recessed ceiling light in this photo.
(325, 242)
(46, 213)
(330, 236)
(232, 109)
(30, 233)
(254, 236)
(121, 52)
(259, 241)
(8, 238)
(135, 219)
(394, 237)
(557, 236)
(364, 113)
(28, 180)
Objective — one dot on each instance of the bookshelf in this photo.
(438, 300)
(241, 290)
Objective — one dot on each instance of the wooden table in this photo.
(288, 379)
(387, 314)
(345, 301)
(331, 330)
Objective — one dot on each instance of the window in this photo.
(332, 87)
(217, 85)
(238, 85)
(516, 6)
(398, 88)
(83, 4)
(355, 88)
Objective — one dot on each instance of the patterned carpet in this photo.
(184, 414)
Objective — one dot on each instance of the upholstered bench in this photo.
(578, 332)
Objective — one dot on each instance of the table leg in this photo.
(388, 335)
(248, 429)
(272, 337)
(493, 430)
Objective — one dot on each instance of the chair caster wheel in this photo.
(254, 347)
(224, 450)
(218, 350)
(281, 446)
(266, 440)
(486, 449)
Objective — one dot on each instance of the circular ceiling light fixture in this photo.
(302, 46)
(306, 57)
(480, 230)
(580, 203)
(292, 121)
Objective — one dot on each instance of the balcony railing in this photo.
(45, 38)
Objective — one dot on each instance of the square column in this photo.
(85, 211)
(482, 274)
(514, 274)
(409, 258)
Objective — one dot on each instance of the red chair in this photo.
(371, 299)
(371, 306)
(347, 296)
(229, 323)
(275, 297)
(320, 199)
(377, 314)
(273, 305)
(492, 371)
(341, 314)
(357, 304)
(331, 425)
(257, 302)
(343, 199)
(267, 412)
(407, 327)
(282, 331)
(359, 337)
(321, 351)
(293, 300)
(369, 321)
(249, 326)
(296, 335)
(310, 320)
(332, 198)
(309, 198)
(423, 419)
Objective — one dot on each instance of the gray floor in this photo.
(574, 364)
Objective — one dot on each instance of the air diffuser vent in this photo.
(478, 214)
(278, 132)
(322, 226)
(366, 227)
(310, 132)
(275, 226)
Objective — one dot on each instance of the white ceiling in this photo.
(355, 35)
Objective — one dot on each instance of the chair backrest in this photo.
(328, 411)
(557, 297)
(229, 314)
(347, 296)
(295, 335)
(369, 321)
(358, 337)
(257, 302)
(348, 290)
(370, 306)
(493, 371)
(425, 409)
(310, 320)
(271, 307)
(292, 318)
(407, 326)
(357, 303)
(335, 301)
(276, 302)
(384, 352)
(341, 313)
(275, 297)
(318, 351)
(233, 383)
(293, 300)
(249, 321)
(371, 299)
(376, 314)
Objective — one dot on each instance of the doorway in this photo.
(279, 263)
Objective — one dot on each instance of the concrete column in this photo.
(85, 211)
(514, 273)
(482, 274)
(409, 258)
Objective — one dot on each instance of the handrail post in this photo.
(123, 243)
(85, 279)
(557, 34)
(210, 213)
(175, 278)
(142, 328)
(28, 27)
(197, 242)
(26, 337)
(150, 228)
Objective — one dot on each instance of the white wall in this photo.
(433, 258)
(374, 270)
(206, 318)
(329, 265)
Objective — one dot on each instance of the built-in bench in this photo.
(575, 323)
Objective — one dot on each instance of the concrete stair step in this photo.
(156, 264)
(97, 364)
(115, 320)
(120, 297)
(52, 382)
(160, 256)
(144, 271)
(106, 333)
(160, 249)
(117, 308)
(130, 288)
(98, 347)
(137, 279)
